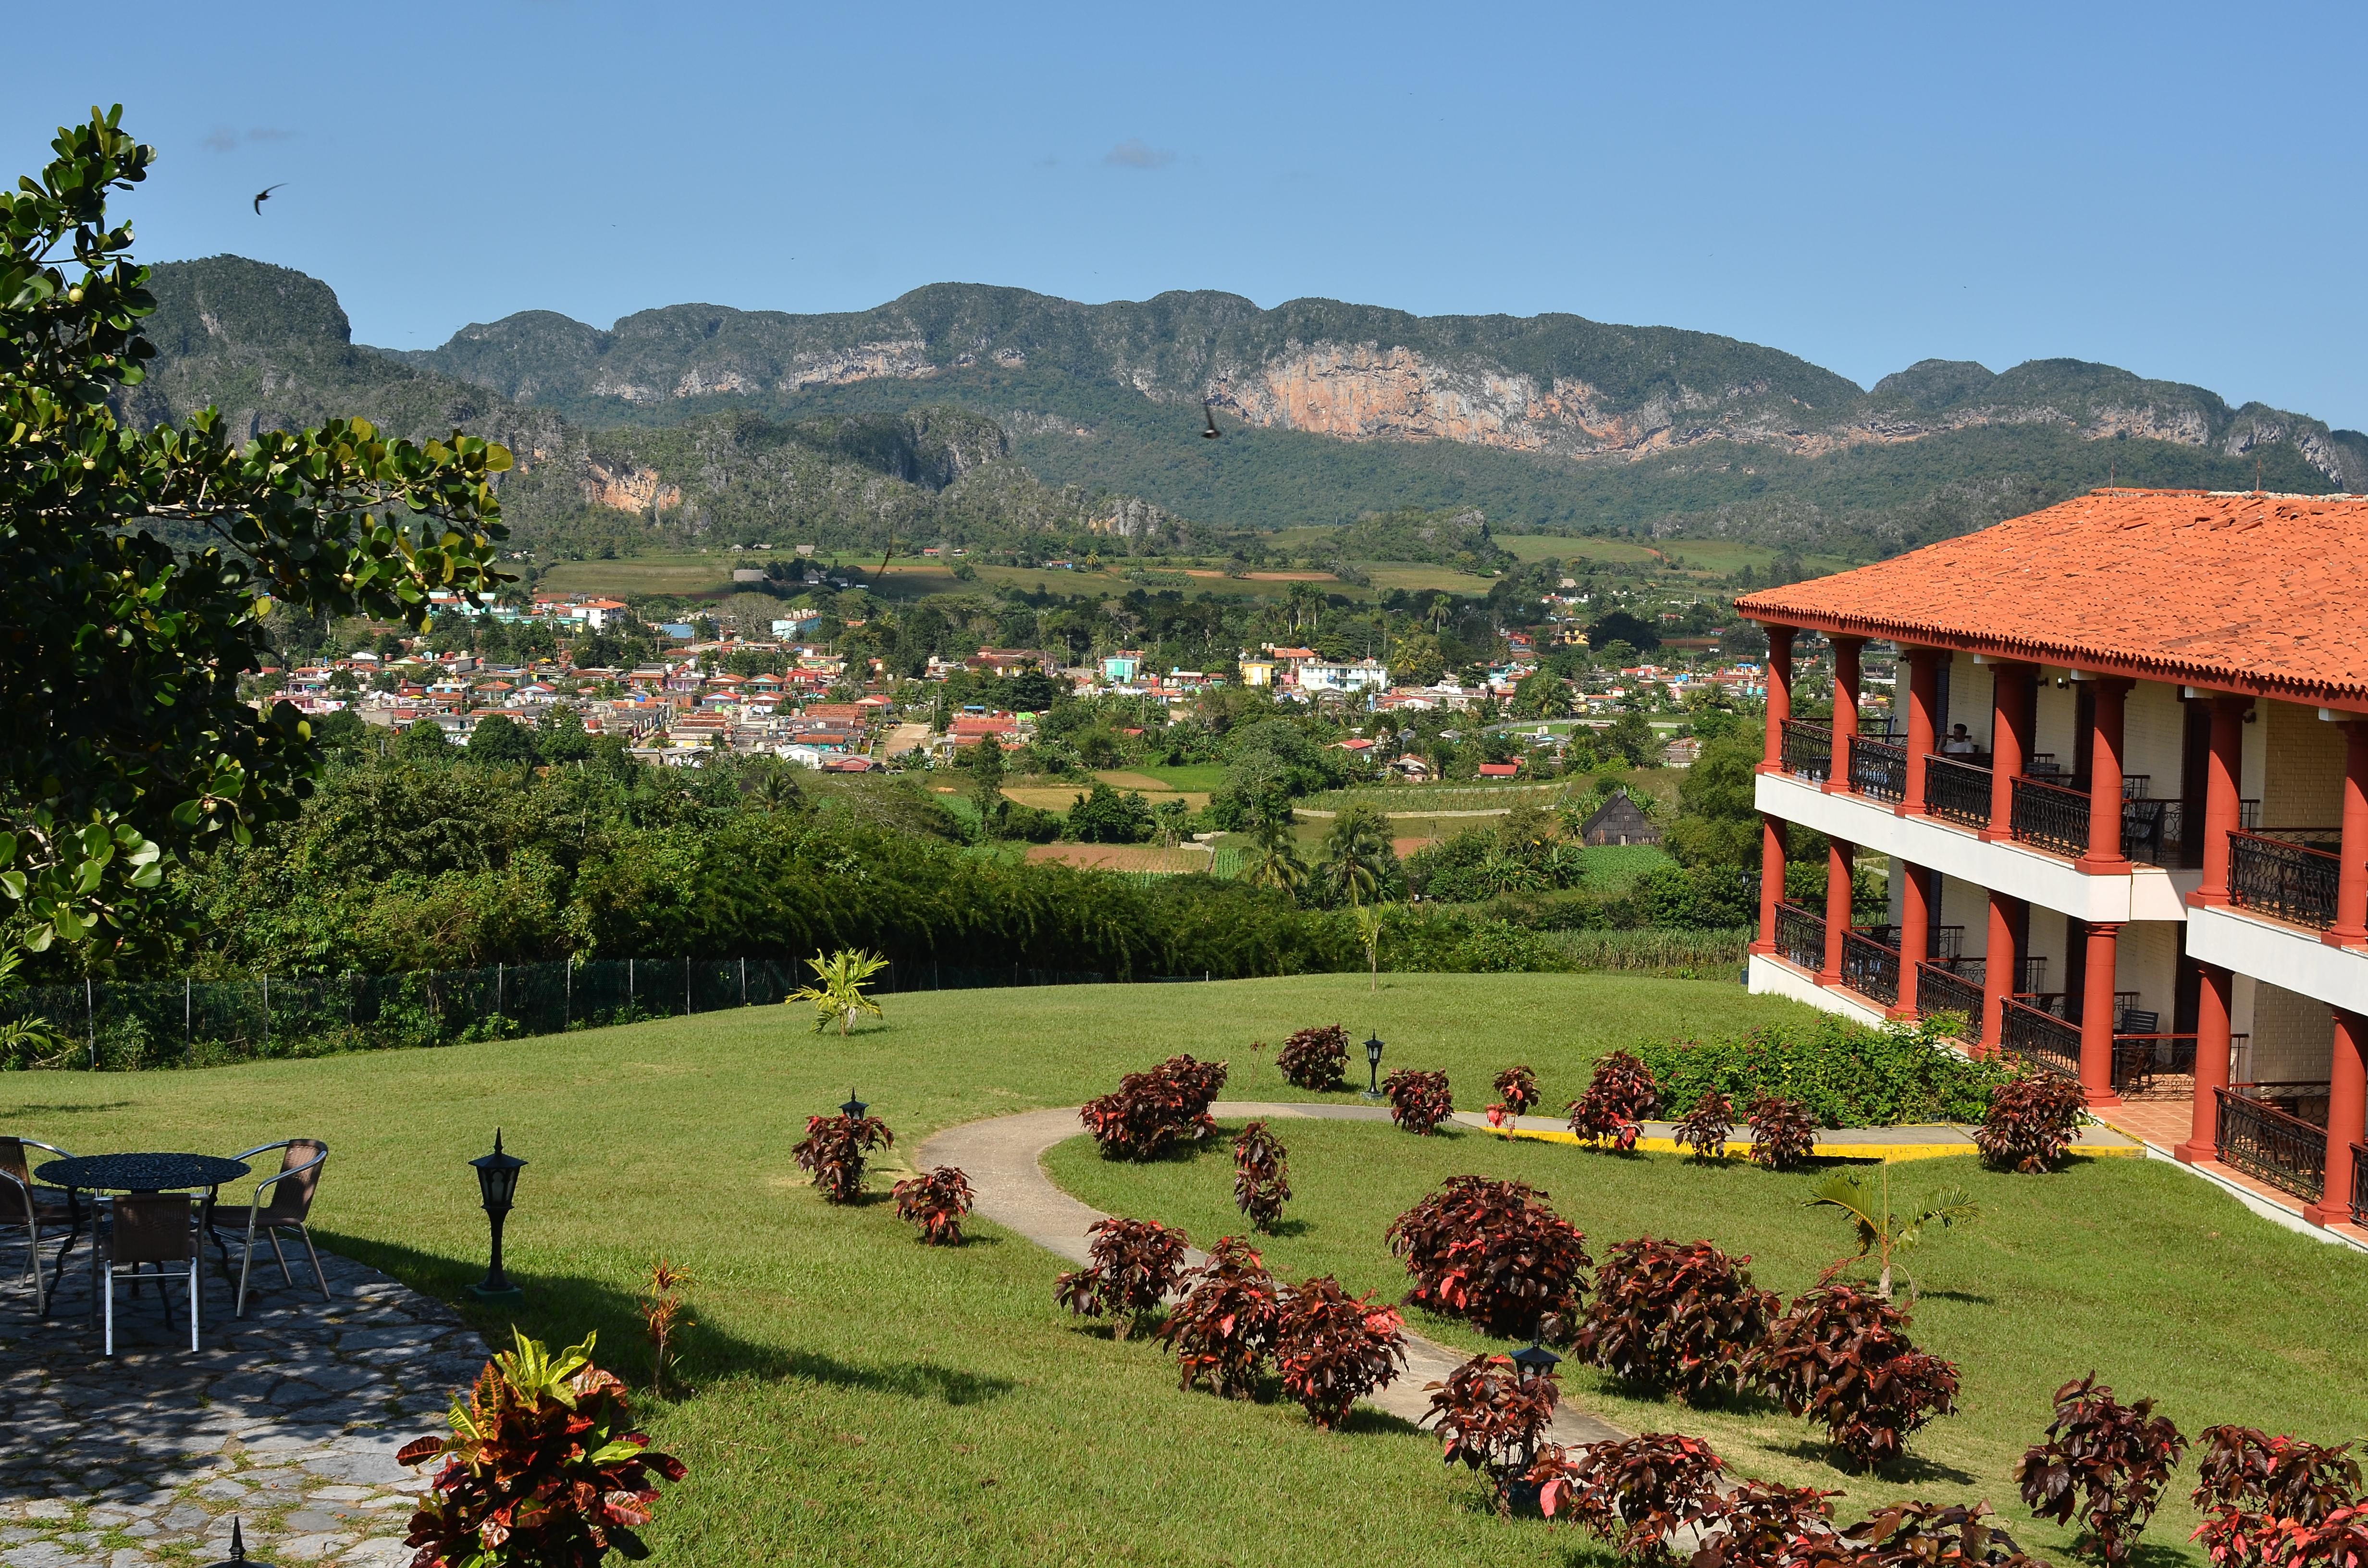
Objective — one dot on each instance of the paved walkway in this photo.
(290, 1418)
(1004, 1159)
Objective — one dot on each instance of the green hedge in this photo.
(1848, 1074)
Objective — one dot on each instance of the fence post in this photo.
(744, 982)
(498, 989)
(567, 998)
(629, 985)
(189, 1012)
(686, 985)
(90, 1020)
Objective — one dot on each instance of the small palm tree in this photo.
(1369, 931)
(1274, 860)
(1879, 1230)
(838, 994)
(1357, 858)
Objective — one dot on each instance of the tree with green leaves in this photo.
(501, 741)
(139, 568)
(1274, 859)
(1880, 1230)
(837, 994)
(1358, 864)
(986, 779)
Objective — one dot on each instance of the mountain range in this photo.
(981, 412)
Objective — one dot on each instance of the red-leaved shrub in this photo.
(1921, 1535)
(833, 1148)
(2033, 1119)
(2247, 1483)
(1333, 1348)
(1675, 1315)
(1150, 1112)
(1782, 1131)
(1262, 1176)
(2106, 1460)
(1841, 1356)
(936, 1200)
(1760, 1523)
(1638, 1492)
(1704, 1128)
(542, 1467)
(1312, 1059)
(1225, 1326)
(1419, 1101)
(1620, 1095)
(1133, 1264)
(1493, 1254)
(1517, 1094)
(1492, 1419)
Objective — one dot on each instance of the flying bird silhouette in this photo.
(1212, 433)
(264, 195)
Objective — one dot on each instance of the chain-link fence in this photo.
(120, 1024)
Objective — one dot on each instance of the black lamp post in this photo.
(1373, 1068)
(238, 1557)
(497, 1177)
(851, 1108)
(1533, 1361)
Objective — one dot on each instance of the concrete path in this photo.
(1004, 1159)
(288, 1418)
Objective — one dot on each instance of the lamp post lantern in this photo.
(1533, 1361)
(497, 1177)
(1373, 1068)
(851, 1108)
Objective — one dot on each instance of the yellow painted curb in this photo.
(1893, 1152)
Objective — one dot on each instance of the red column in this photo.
(1915, 931)
(1997, 970)
(1846, 682)
(1771, 880)
(1923, 704)
(2105, 857)
(2096, 1015)
(2347, 1098)
(2223, 810)
(1779, 696)
(2211, 1063)
(1839, 857)
(2351, 927)
(2009, 742)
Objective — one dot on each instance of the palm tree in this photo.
(1357, 860)
(1879, 1230)
(839, 995)
(1274, 861)
(1369, 931)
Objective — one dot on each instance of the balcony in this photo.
(2051, 817)
(2254, 1133)
(1808, 749)
(1942, 990)
(2289, 874)
(1957, 792)
(1801, 937)
(1878, 768)
(1870, 968)
(2040, 1038)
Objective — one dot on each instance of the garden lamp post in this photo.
(238, 1557)
(851, 1108)
(497, 1177)
(1531, 1362)
(1373, 1068)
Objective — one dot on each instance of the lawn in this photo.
(862, 1399)
(2155, 1281)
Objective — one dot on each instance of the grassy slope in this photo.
(2153, 1279)
(864, 1400)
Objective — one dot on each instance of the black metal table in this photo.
(133, 1173)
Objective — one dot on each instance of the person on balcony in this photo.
(1958, 743)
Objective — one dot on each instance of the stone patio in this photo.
(290, 1418)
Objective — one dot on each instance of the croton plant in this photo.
(1223, 1327)
(1262, 1176)
(934, 1201)
(1841, 1356)
(2105, 1461)
(1493, 1254)
(1620, 1095)
(1517, 1094)
(1675, 1315)
(1419, 1101)
(1334, 1348)
(1151, 1112)
(1132, 1263)
(1313, 1057)
(832, 1153)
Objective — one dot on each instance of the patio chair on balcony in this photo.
(282, 1201)
(37, 1208)
(148, 1227)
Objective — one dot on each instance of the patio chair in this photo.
(282, 1202)
(148, 1227)
(38, 1207)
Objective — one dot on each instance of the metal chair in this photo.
(288, 1203)
(148, 1227)
(38, 1207)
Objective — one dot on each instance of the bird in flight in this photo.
(1212, 433)
(264, 195)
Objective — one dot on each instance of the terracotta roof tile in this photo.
(2260, 594)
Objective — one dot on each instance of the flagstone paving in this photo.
(289, 1419)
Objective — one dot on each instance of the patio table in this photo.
(133, 1173)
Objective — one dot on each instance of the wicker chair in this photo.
(148, 1227)
(282, 1202)
(37, 1208)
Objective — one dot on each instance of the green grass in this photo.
(1421, 798)
(1614, 868)
(2157, 1281)
(863, 1399)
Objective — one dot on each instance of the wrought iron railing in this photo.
(1870, 968)
(2041, 1039)
(1801, 936)
(2359, 1203)
(1957, 792)
(2154, 831)
(1808, 749)
(1939, 990)
(2277, 875)
(2271, 1144)
(2050, 816)
(1878, 768)
(2139, 1059)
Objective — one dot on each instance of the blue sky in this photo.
(2171, 188)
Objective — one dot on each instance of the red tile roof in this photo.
(2266, 594)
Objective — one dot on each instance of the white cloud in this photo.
(227, 138)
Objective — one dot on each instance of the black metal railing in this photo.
(1878, 768)
(1808, 749)
(1801, 936)
(2359, 1202)
(1870, 968)
(2153, 831)
(2050, 816)
(2139, 1059)
(2271, 1144)
(2041, 1039)
(1940, 990)
(1957, 792)
(2276, 875)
